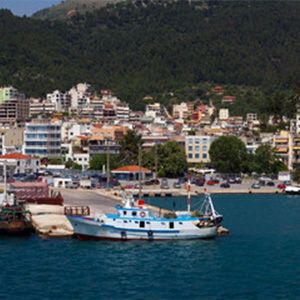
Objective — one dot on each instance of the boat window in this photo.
(180, 223)
(125, 221)
(136, 222)
(114, 219)
(171, 224)
(133, 213)
(147, 222)
(163, 223)
(142, 224)
(124, 212)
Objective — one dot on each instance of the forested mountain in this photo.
(68, 8)
(144, 49)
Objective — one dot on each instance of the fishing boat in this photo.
(15, 220)
(135, 221)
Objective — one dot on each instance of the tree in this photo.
(267, 162)
(129, 148)
(171, 160)
(70, 164)
(296, 175)
(99, 160)
(227, 154)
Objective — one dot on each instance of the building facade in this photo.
(42, 138)
(197, 148)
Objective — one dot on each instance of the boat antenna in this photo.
(189, 193)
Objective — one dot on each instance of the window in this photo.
(197, 155)
(204, 148)
(171, 225)
(124, 212)
(125, 221)
(180, 223)
(204, 141)
(190, 141)
(204, 155)
(147, 222)
(197, 141)
(190, 148)
(133, 213)
(136, 222)
(190, 155)
(197, 148)
(142, 224)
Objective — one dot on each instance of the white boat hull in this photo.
(86, 228)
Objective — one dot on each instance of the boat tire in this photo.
(123, 235)
(150, 235)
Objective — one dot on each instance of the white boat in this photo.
(135, 221)
(292, 190)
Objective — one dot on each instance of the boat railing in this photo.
(77, 210)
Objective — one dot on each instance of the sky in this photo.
(26, 7)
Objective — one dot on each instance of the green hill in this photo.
(155, 48)
(68, 8)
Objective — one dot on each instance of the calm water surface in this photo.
(259, 260)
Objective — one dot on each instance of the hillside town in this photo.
(80, 123)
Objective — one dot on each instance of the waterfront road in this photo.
(92, 198)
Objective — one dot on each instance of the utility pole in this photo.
(107, 165)
(156, 160)
(140, 171)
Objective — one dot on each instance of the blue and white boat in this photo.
(135, 221)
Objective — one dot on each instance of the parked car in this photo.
(151, 182)
(281, 186)
(225, 185)
(176, 185)
(129, 186)
(255, 186)
(164, 184)
(212, 182)
(199, 181)
(270, 183)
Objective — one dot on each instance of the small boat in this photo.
(135, 221)
(15, 220)
(292, 190)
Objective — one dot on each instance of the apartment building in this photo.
(42, 138)
(62, 101)
(197, 148)
(39, 107)
(13, 106)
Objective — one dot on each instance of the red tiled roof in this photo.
(132, 169)
(15, 156)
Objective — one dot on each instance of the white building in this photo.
(20, 163)
(80, 95)
(38, 107)
(180, 111)
(42, 138)
(197, 148)
(62, 101)
(223, 114)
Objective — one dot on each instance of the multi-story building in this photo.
(282, 145)
(13, 106)
(62, 101)
(197, 148)
(42, 138)
(8, 93)
(181, 111)
(223, 114)
(40, 107)
(80, 95)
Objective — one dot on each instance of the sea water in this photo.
(258, 260)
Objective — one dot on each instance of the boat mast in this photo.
(140, 171)
(189, 193)
(5, 182)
